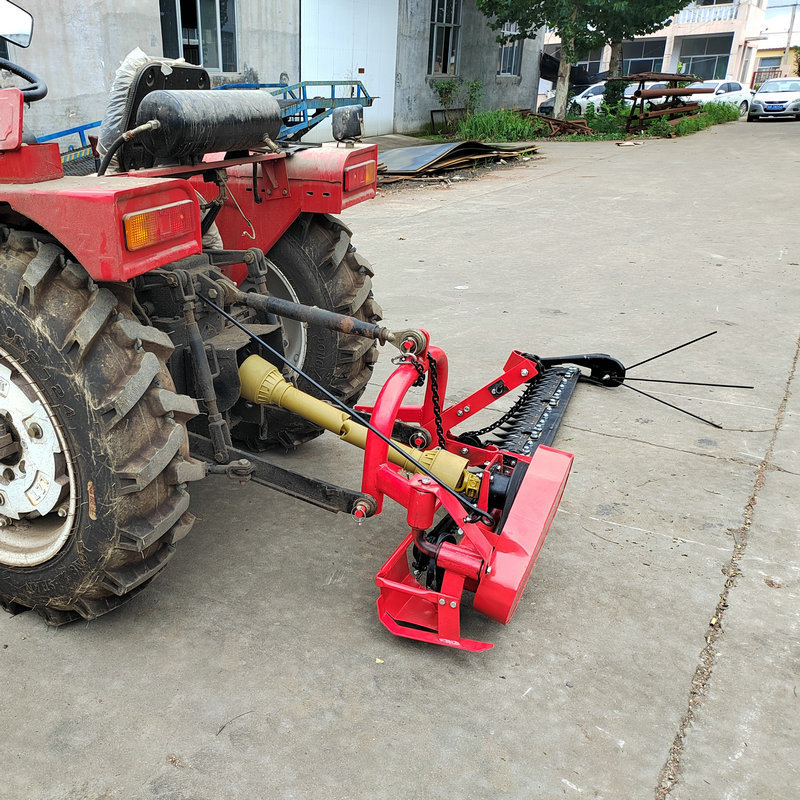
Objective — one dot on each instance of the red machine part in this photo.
(495, 566)
(86, 216)
(10, 119)
(324, 180)
(494, 563)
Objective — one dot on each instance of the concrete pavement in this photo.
(655, 651)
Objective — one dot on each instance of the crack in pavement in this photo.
(731, 459)
(671, 771)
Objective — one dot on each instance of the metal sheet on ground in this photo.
(449, 155)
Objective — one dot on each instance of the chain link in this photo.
(521, 401)
(437, 407)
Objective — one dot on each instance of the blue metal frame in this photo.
(296, 104)
(80, 130)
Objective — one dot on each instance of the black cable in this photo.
(126, 136)
(110, 153)
(672, 350)
(487, 518)
(691, 383)
(677, 408)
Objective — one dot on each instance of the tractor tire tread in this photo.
(131, 441)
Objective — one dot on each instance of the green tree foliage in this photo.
(582, 25)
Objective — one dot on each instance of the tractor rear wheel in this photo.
(92, 439)
(314, 263)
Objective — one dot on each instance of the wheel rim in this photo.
(295, 336)
(742, 108)
(37, 480)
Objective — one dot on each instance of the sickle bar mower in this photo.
(478, 514)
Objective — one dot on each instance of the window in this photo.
(201, 31)
(591, 62)
(510, 52)
(706, 56)
(767, 62)
(642, 55)
(444, 42)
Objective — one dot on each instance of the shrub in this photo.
(499, 126)
(474, 93)
(446, 91)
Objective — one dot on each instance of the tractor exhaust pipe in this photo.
(263, 383)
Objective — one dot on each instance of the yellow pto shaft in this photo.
(263, 383)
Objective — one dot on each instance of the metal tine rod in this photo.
(691, 383)
(466, 505)
(677, 408)
(672, 350)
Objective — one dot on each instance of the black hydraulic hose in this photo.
(37, 89)
(473, 509)
(152, 125)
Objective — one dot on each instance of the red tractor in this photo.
(136, 362)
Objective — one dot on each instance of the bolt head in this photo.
(524, 373)
(441, 601)
(35, 431)
(453, 604)
(465, 451)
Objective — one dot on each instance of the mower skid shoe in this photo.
(410, 610)
(522, 533)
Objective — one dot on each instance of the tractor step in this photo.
(536, 420)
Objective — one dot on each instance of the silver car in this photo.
(777, 97)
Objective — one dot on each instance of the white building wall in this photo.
(352, 40)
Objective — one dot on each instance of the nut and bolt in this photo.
(35, 431)
(442, 601)
(453, 604)
(524, 373)
(425, 481)
(465, 451)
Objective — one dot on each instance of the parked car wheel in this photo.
(743, 108)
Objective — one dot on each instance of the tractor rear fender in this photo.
(90, 216)
(323, 180)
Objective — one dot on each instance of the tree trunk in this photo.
(615, 61)
(562, 89)
(615, 90)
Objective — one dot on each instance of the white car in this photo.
(777, 97)
(591, 95)
(725, 91)
(595, 95)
